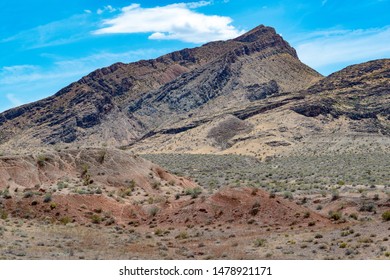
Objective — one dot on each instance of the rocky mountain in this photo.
(357, 92)
(123, 103)
(341, 112)
(250, 95)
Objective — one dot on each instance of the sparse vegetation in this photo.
(47, 198)
(41, 160)
(153, 211)
(335, 215)
(259, 242)
(194, 192)
(182, 235)
(65, 220)
(3, 214)
(386, 216)
(96, 219)
(304, 171)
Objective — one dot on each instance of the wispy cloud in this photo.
(194, 5)
(325, 48)
(172, 22)
(20, 84)
(54, 33)
(13, 100)
(107, 8)
(65, 68)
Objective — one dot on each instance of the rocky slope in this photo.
(83, 168)
(348, 108)
(120, 104)
(358, 92)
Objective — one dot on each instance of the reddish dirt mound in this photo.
(240, 205)
(82, 209)
(230, 205)
(105, 167)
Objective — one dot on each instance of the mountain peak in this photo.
(256, 34)
(265, 37)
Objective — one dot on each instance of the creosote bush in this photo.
(153, 211)
(96, 219)
(47, 198)
(335, 215)
(386, 216)
(3, 215)
(259, 242)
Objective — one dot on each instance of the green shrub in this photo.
(96, 219)
(353, 216)
(386, 216)
(195, 192)
(41, 160)
(153, 211)
(367, 207)
(65, 220)
(288, 195)
(28, 194)
(335, 195)
(340, 183)
(6, 194)
(260, 242)
(3, 215)
(47, 198)
(343, 245)
(182, 235)
(335, 215)
(62, 185)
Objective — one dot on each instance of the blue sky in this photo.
(47, 44)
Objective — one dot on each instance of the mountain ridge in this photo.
(93, 104)
(257, 76)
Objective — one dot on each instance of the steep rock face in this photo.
(121, 103)
(264, 67)
(358, 92)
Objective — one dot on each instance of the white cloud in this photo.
(172, 22)
(323, 3)
(107, 8)
(323, 49)
(194, 5)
